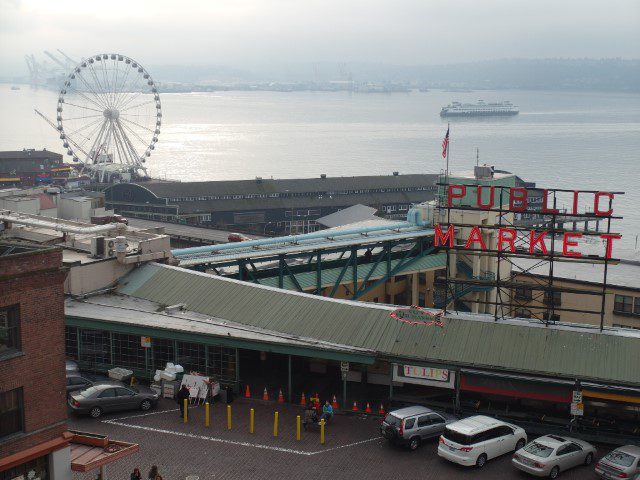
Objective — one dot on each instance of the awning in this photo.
(90, 451)
(510, 387)
(616, 397)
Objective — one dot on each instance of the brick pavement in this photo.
(353, 448)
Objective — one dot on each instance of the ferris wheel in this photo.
(109, 117)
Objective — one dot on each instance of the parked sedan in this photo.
(111, 397)
(623, 462)
(81, 381)
(549, 455)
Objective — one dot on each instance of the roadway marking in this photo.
(116, 421)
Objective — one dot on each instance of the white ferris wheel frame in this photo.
(109, 140)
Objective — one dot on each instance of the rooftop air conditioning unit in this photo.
(97, 247)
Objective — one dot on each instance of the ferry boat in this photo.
(457, 109)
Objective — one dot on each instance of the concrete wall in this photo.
(93, 276)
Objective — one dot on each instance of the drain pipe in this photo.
(58, 224)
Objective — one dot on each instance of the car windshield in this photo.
(538, 449)
(89, 392)
(620, 458)
(392, 420)
(456, 437)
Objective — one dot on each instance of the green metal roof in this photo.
(330, 275)
(464, 340)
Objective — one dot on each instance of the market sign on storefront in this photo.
(427, 373)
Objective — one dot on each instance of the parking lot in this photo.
(353, 447)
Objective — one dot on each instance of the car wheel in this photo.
(145, 405)
(414, 443)
(95, 412)
(482, 459)
(589, 459)
(520, 444)
(555, 471)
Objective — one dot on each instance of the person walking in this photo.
(153, 473)
(136, 474)
(180, 398)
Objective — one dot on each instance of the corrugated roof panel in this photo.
(471, 340)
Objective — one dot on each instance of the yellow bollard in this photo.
(206, 414)
(298, 427)
(251, 416)
(322, 431)
(228, 417)
(275, 425)
(186, 404)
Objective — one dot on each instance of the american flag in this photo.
(445, 144)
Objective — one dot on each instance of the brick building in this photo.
(32, 380)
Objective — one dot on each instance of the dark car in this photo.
(81, 381)
(111, 397)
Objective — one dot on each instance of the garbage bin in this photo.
(229, 393)
(222, 395)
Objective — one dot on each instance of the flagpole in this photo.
(448, 143)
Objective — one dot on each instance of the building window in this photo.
(128, 351)
(37, 468)
(422, 278)
(11, 412)
(191, 357)
(551, 317)
(9, 329)
(221, 363)
(523, 313)
(554, 297)
(623, 304)
(636, 305)
(163, 352)
(71, 342)
(95, 347)
(523, 293)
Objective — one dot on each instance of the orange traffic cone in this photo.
(247, 392)
(280, 397)
(265, 395)
(368, 409)
(381, 410)
(303, 401)
(334, 403)
(355, 407)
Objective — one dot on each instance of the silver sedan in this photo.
(111, 397)
(549, 455)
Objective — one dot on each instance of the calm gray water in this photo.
(576, 140)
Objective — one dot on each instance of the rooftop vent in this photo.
(484, 171)
(258, 179)
(178, 307)
(395, 174)
(323, 175)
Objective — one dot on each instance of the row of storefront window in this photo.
(99, 349)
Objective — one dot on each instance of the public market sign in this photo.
(518, 202)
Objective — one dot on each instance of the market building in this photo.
(267, 205)
(245, 334)
(32, 167)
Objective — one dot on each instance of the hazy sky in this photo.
(246, 32)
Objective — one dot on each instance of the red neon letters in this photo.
(507, 238)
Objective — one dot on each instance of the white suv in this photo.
(475, 440)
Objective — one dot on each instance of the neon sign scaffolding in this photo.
(520, 242)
